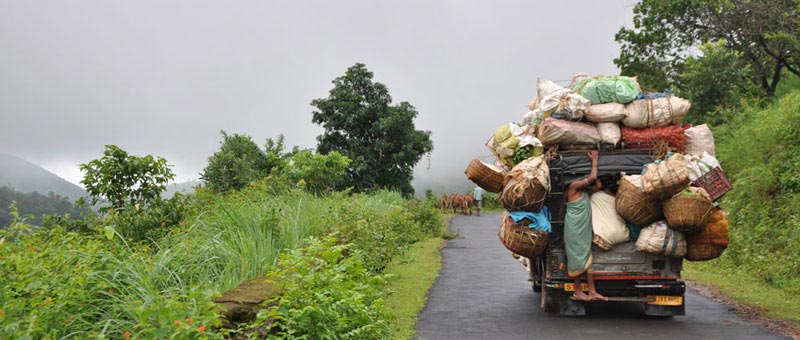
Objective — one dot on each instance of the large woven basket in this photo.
(517, 196)
(712, 241)
(522, 240)
(687, 213)
(636, 206)
(485, 175)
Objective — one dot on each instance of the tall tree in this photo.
(379, 137)
(665, 32)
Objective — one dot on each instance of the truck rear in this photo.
(622, 273)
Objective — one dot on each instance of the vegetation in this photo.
(57, 283)
(361, 123)
(240, 162)
(35, 204)
(759, 152)
(125, 180)
(410, 278)
(724, 56)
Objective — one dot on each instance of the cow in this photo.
(455, 202)
(466, 203)
(444, 203)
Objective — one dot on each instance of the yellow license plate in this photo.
(666, 300)
(570, 287)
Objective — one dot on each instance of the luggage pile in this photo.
(670, 205)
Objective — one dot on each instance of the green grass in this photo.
(411, 277)
(772, 302)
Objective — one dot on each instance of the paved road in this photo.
(483, 293)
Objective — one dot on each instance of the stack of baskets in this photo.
(636, 206)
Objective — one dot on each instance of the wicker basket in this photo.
(517, 196)
(485, 175)
(636, 206)
(712, 241)
(522, 240)
(687, 213)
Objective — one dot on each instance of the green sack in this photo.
(607, 89)
(502, 133)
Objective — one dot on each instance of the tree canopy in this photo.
(239, 162)
(121, 178)
(379, 137)
(763, 34)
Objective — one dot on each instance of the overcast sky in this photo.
(164, 77)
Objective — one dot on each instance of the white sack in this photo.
(658, 238)
(608, 227)
(656, 112)
(698, 140)
(609, 132)
(606, 113)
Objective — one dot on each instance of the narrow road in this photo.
(483, 293)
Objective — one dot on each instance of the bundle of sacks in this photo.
(659, 206)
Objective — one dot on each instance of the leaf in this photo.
(109, 231)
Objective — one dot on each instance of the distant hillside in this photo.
(27, 177)
(35, 204)
(184, 188)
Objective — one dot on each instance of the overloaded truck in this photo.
(622, 273)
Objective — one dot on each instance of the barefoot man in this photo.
(578, 234)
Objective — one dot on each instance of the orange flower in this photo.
(177, 322)
(201, 329)
(111, 291)
(188, 320)
(127, 335)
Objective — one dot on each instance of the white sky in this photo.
(163, 77)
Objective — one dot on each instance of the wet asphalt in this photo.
(483, 293)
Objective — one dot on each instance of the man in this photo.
(578, 233)
(477, 194)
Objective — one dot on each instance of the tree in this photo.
(123, 179)
(318, 172)
(361, 123)
(701, 79)
(763, 33)
(239, 162)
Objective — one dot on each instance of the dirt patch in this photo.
(751, 314)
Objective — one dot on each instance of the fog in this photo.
(164, 77)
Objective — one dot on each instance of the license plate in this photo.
(570, 287)
(666, 300)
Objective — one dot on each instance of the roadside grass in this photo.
(411, 276)
(772, 302)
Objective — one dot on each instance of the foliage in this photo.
(239, 162)
(761, 32)
(760, 154)
(124, 179)
(315, 171)
(327, 293)
(715, 83)
(361, 123)
(35, 204)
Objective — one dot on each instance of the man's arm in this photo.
(575, 187)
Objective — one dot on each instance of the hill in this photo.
(27, 177)
(183, 187)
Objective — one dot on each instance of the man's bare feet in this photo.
(596, 296)
(581, 296)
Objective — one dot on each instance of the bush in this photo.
(326, 292)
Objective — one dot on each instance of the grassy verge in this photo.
(411, 277)
(772, 302)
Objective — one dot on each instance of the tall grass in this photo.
(760, 152)
(58, 285)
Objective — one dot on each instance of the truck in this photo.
(622, 273)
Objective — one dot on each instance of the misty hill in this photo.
(35, 204)
(183, 187)
(27, 177)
